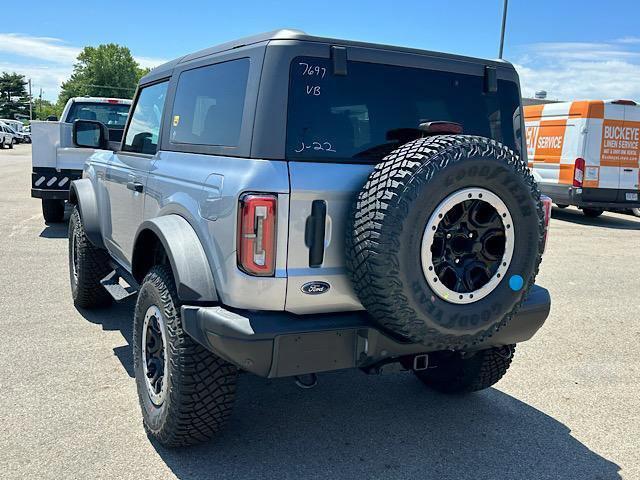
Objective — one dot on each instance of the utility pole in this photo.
(30, 102)
(40, 104)
(504, 24)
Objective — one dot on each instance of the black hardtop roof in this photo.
(291, 34)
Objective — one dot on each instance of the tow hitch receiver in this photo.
(420, 362)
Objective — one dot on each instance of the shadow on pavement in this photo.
(357, 426)
(117, 317)
(55, 230)
(605, 220)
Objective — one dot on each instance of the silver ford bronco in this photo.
(287, 204)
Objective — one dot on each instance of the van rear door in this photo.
(339, 126)
(629, 155)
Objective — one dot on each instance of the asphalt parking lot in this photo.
(568, 408)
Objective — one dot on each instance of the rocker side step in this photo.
(113, 285)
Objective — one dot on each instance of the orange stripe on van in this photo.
(533, 112)
(587, 109)
(566, 174)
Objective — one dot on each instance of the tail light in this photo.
(257, 234)
(546, 208)
(578, 172)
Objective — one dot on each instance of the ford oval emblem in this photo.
(315, 288)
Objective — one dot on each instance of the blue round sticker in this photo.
(516, 282)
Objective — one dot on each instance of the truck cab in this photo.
(57, 160)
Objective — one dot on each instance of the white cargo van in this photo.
(57, 161)
(586, 153)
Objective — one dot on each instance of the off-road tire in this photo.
(201, 386)
(53, 210)
(592, 212)
(450, 372)
(388, 220)
(92, 266)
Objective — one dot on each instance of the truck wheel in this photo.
(450, 372)
(53, 210)
(592, 212)
(87, 266)
(186, 392)
(446, 239)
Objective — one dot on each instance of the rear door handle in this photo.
(628, 170)
(135, 186)
(315, 232)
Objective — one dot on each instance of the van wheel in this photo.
(186, 392)
(53, 210)
(451, 372)
(592, 212)
(445, 240)
(87, 266)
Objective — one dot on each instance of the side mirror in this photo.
(52, 118)
(90, 134)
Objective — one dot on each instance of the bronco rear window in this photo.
(364, 115)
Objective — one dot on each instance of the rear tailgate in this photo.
(333, 187)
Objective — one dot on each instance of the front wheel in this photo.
(592, 212)
(88, 264)
(636, 212)
(454, 372)
(186, 392)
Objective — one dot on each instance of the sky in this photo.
(571, 49)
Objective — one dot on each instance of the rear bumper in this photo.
(588, 197)
(50, 194)
(50, 183)
(281, 344)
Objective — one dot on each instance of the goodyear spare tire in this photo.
(446, 239)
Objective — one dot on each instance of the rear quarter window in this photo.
(209, 104)
(364, 115)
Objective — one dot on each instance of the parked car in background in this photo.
(17, 126)
(7, 136)
(586, 153)
(57, 161)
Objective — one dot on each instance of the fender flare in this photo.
(82, 194)
(189, 263)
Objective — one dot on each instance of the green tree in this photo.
(42, 109)
(103, 71)
(13, 95)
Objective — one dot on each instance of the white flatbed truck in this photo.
(56, 160)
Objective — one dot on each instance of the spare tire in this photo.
(445, 240)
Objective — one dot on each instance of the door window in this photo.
(144, 128)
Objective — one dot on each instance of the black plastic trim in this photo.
(277, 344)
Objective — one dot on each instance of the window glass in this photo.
(209, 103)
(144, 128)
(369, 112)
(113, 115)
